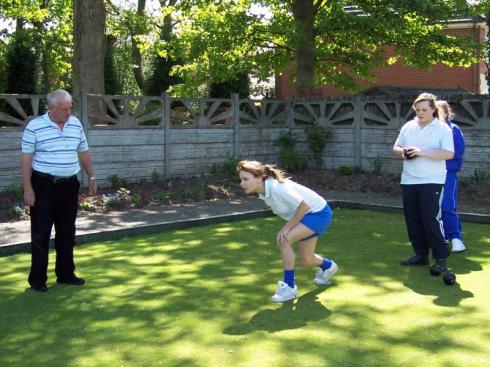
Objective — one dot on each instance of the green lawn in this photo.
(201, 297)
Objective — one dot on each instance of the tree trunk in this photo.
(304, 13)
(135, 52)
(89, 42)
(43, 52)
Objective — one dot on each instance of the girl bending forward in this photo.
(307, 217)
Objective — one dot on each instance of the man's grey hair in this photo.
(58, 95)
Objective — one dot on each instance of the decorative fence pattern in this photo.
(134, 136)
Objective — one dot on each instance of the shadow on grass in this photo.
(447, 295)
(290, 315)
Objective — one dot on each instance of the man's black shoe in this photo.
(74, 280)
(39, 288)
(415, 260)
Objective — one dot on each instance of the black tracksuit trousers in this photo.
(423, 217)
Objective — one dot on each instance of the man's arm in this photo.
(86, 162)
(26, 173)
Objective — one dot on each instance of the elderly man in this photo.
(53, 146)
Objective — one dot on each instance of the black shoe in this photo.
(73, 280)
(439, 267)
(415, 260)
(39, 287)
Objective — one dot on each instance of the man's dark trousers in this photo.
(56, 203)
(422, 208)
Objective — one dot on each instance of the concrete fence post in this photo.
(166, 121)
(84, 119)
(358, 111)
(235, 98)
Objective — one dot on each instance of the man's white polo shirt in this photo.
(55, 151)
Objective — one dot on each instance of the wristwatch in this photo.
(92, 178)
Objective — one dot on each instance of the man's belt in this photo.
(54, 179)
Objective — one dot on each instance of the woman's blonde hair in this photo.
(446, 108)
(258, 169)
(427, 97)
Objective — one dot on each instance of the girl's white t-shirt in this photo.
(284, 198)
(435, 136)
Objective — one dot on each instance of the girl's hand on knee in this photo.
(282, 236)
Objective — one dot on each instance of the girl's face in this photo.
(424, 112)
(442, 114)
(251, 184)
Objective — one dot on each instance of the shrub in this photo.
(202, 189)
(226, 168)
(317, 137)
(15, 190)
(290, 158)
(162, 197)
(349, 170)
(15, 213)
(287, 140)
(137, 200)
(377, 165)
(156, 178)
(479, 176)
(115, 181)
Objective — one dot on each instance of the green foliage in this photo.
(119, 200)
(3, 67)
(21, 64)
(377, 165)
(161, 79)
(15, 190)
(479, 176)
(199, 190)
(156, 177)
(186, 192)
(51, 26)
(137, 200)
(226, 168)
(202, 189)
(287, 139)
(162, 198)
(317, 137)
(112, 84)
(291, 159)
(194, 44)
(15, 213)
(227, 38)
(240, 85)
(115, 181)
(349, 170)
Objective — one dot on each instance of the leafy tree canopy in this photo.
(212, 41)
(50, 23)
(348, 39)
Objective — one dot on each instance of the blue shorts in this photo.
(318, 222)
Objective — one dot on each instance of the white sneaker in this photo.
(284, 292)
(458, 245)
(323, 276)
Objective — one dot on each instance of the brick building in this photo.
(472, 79)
